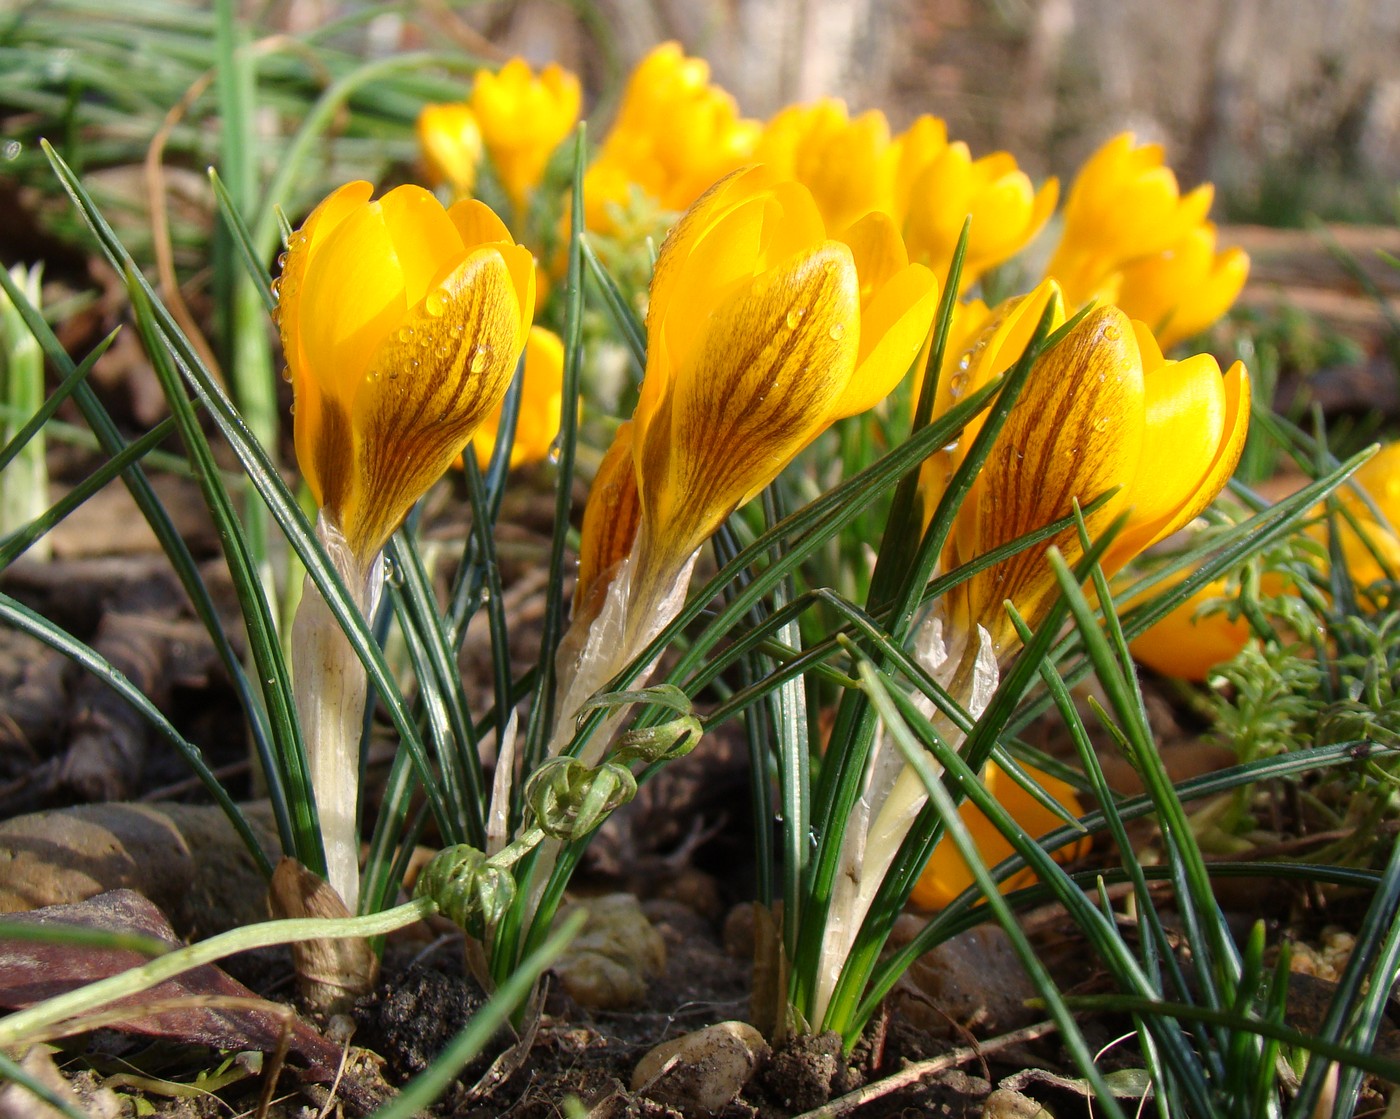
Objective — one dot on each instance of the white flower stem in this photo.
(331, 686)
(891, 800)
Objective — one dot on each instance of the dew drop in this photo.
(838, 331)
(478, 362)
(1101, 424)
(1111, 332)
(373, 375)
(794, 318)
(405, 334)
(287, 374)
(436, 302)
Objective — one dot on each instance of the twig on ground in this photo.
(910, 1074)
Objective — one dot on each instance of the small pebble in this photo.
(702, 1072)
(609, 963)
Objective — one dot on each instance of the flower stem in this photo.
(331, 687)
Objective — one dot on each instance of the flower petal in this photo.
(763, 382)
(425, 239)
(431, 383)
(1075, 434)
(352, 296)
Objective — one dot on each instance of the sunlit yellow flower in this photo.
(762, 331)
(450, 140)
(1006, 210)
(1377, 516)
(401, 323)
(1181, 290)
(1124, 205)
(1187, 644)
(1101, 411)
(674, 136)
(523, 118)
(847, 164)
(947, 874)
(541, 404)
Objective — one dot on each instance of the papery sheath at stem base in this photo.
(330, 687)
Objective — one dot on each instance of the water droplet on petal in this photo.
(794, 317)
(436, 302)
(478, 362)
(838, 331)
(1111, 332)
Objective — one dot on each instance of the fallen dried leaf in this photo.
(203, 1006)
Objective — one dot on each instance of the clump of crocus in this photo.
(401, 323)
(523, 117)
(762, 331)
(1101, 413)
(674, 136)
(450, 139)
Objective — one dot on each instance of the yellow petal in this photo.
(450, 140)
(430, 384)
(610, 521)
(947, 873)
(898, 301)
(1075, 433)
(352, 296)
(1197, 424)
(765, 378)
(1186, 645)
(426, 242)
(541, 404)
(893, 329)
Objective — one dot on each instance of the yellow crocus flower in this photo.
(523, 118)
(1187, 644)
(401, 323)
(1102, 410)
(450, 140)
(1124, 205)
(1006, 210)
(848, 164)
(762, 331)
(1377, 512)
(947, 874)
(675, 135)
(1183, 289)
(541, 404)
